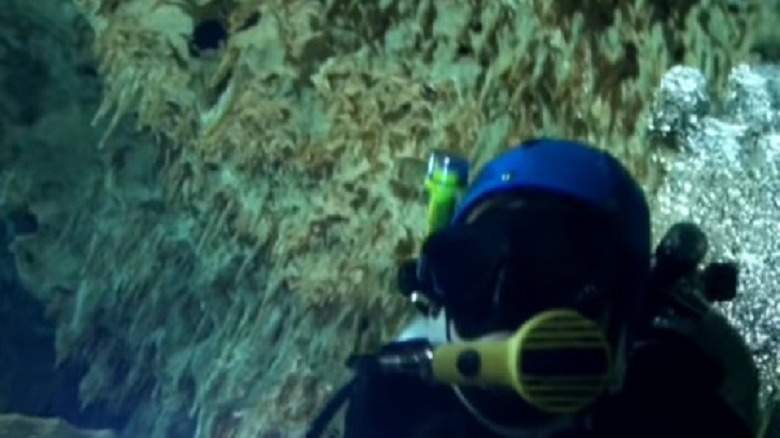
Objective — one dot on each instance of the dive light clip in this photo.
(412, 284)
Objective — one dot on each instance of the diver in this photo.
(546, 312)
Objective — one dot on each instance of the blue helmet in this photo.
(572, 170)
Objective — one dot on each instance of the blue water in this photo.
(30, 381)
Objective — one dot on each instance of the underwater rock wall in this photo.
(53, 199)
(18, 426)
(223, 261)
(52, 195)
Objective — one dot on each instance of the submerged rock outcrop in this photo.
(226, 230)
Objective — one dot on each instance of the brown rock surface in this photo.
(227, 259)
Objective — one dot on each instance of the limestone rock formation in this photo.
(221, 261)
(18, 426)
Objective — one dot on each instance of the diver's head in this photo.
(547, 225)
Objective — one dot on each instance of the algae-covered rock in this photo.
(230, 257)
(19, 426)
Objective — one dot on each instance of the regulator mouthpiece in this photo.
(447, 177)
(559, 362)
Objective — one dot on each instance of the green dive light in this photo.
(447, 177)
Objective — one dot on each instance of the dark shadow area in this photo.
(30, 382)
(209, 34)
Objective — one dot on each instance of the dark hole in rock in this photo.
(23, 222)
(209, 34)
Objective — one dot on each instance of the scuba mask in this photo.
(522, 256)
